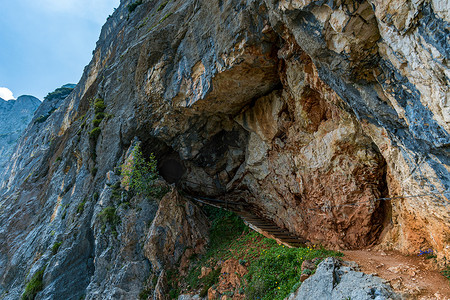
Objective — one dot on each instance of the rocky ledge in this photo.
(334, 279)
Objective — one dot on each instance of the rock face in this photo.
(28, 152)
(332, 280)
(178, 225)
(312, 112)
(14, 118)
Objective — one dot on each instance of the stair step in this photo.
(287, 236)
(261, 223)
(264, 226)
(291, 240)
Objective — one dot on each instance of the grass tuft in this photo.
(162, 5)
(55, 247)
(108, 216)
(34, 286)
(446, 272)
(80, 207)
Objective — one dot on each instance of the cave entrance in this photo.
(170, 166)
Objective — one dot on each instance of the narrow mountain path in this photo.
(413, 276)
(258, 223)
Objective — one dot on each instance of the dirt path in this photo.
(409, 275)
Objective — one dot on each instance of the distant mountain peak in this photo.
(28, 98)
(14, 118)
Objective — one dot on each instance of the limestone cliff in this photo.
(329, 118)
(14, 118)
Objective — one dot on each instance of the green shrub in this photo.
(99, 105)
(100, 115)
(161, 7)
(55, 247)
(34, 286)
(131, 7)
(80, 207)
(42, 118)
(99, 108)
(140, 175)
(95, 196)
(116, 193)
(61, 92)
(96, 122)
(109, 217)
(94, 133)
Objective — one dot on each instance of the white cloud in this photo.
(6, 94)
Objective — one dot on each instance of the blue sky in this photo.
(47, 43)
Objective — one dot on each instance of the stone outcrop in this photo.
(333, 280)
(311, 112)
(178, 225)
(230, 281)
(14, 118)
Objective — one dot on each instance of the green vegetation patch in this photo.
(140, 175)
(145, 294)
(34, 286)
(42, 118)
(273, 270)
(116, 193)
(172, 283)
(99, 106)
(210, 279)
(61, 93)
(446, 272)
(96, 122)
(131, 7)
(80, 207)
(278, 269)
(95, 133)
(162, 6)
(108, 216)
(55, 247)
(165, 17)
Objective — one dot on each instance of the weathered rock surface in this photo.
(178, 225)
(189, 297)
(333, 280)
(308, 111)
(229, 282)
(14, 118)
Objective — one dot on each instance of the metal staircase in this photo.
(260, 224)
